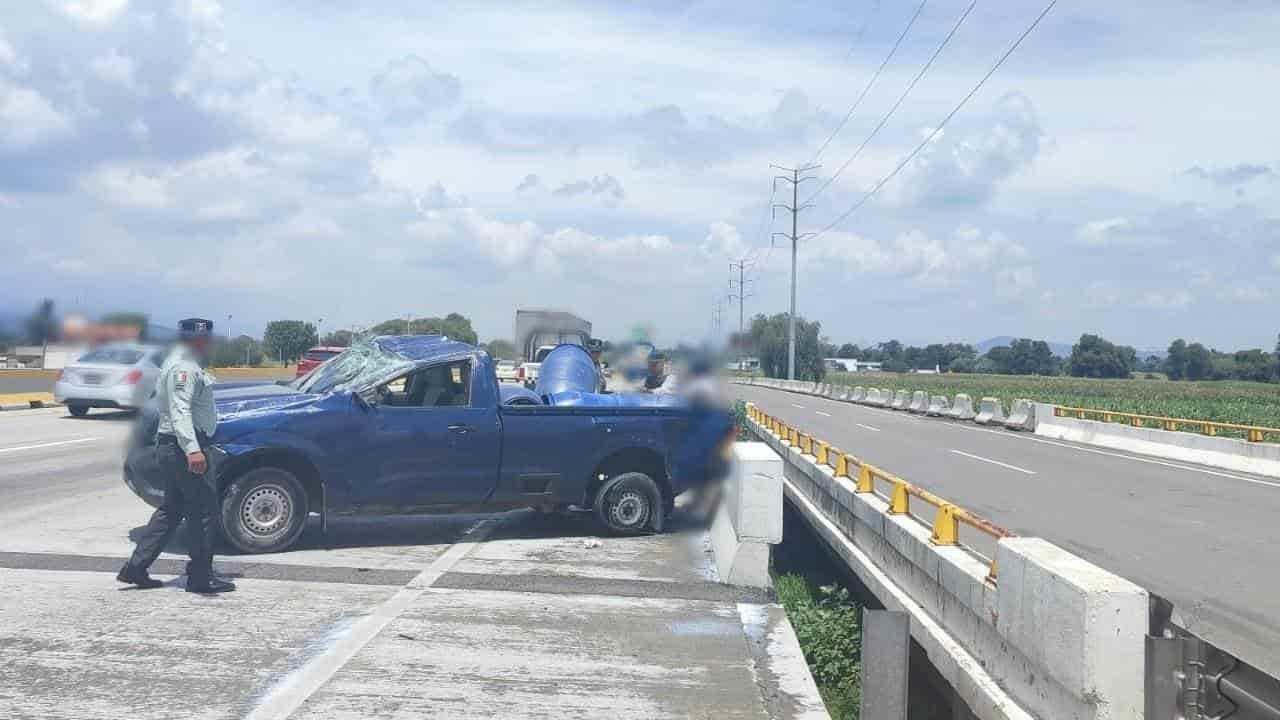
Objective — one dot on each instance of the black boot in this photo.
(135, 576)
(211, 586)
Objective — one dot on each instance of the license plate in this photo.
(91, 379)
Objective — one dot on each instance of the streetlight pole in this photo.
(794, 208)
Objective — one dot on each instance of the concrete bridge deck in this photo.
(510, 615)
(1198, 536)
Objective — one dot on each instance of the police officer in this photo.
(187, 420)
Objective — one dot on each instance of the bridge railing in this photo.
(1253, 433)
(868, 478)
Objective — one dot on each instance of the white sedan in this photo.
(506, 370)
(116, 376)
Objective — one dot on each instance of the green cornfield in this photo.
(1245, 403)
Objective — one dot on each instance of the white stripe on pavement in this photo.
(867, 427)
(797, 405)
(288, 695)
(48, 444)
(995, 462)
(822, 413)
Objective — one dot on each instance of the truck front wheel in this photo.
(630, 504)
(264, 510)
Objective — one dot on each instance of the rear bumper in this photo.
(113, 396)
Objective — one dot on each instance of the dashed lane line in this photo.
(822, 413)
(995, 462)
(48, 444)
(867, 427)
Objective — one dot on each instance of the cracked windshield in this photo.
(702, 359)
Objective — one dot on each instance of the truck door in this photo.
(428, 445)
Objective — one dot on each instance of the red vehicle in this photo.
(315, 357)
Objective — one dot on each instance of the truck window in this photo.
(443, 385)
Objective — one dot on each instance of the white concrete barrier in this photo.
(919, 402)
(938, 406)
(1022, 415)
(901, 399)
(844, 393)
(1055, 637)
(749, 518)
(858, 395)
(1223, 452)
(990, 412)
(875, 396)
(962, 409)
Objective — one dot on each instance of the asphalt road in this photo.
(394, 617)
(1203, 538)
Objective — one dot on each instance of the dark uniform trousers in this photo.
(188, 496)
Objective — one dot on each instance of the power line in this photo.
(911, 86)
(911, 155)
(875, 76)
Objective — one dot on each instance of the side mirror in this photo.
(365, 402)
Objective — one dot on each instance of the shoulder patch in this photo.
(180, 379)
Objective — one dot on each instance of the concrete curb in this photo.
(1227, 453)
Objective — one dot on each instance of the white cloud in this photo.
(1166, 300)
(28, 119)
(1100, 233)
(115, 67)
(91, 12)
(408, 90)
(128, 187)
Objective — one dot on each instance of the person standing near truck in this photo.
(595, 348)
(187, 421)
(658, 381)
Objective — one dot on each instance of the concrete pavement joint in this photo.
(572, 585)
(170, 566)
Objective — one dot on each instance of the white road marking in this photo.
(1108, 453)
(1149, 461)
(797, 405)
(293, 690)
(822, 413)
(994, 462)
(48, 444)
(867, 427)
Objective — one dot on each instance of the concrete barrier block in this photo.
(843, 393)
(938, 406)
(749, 518)
(1021, 415)
(990, 412)
(858, 395)
(1084, 626)
(873, 397)
(919, 402)
(901, 400)
(962, 409)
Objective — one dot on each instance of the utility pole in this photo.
(741, 285)
(795, 178)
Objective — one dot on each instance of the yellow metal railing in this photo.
(948, 517)
(1252, 433)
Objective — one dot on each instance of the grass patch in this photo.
(828, 624)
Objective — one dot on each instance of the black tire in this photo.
(629, 504)
(264, 510)
(78, 410)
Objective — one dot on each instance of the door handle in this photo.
(460, 429)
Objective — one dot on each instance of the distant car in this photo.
(120, 376)
(527, 373)
(315, 357)
(507, 371)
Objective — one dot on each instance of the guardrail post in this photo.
(946, 526)
(1080, 414)
(821, 454)
(806, 444)
(1255, 436)
(866, 483)
(842, 465)
(1171, 425)
(1210, 429)
(900, 501)
(1137, 422)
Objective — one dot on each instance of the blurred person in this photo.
(702, 459)
(595, 348)
(657, 380)
(188, 419)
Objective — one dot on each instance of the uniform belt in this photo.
(171, 439)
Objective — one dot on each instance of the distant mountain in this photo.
(1062, 350)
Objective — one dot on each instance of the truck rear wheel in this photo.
(629, 504)
(264, 510)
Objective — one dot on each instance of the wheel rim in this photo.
(629, 509)
(266, 511)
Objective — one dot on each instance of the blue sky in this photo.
(321, 159)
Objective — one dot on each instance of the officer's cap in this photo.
(195, 327)
(595, 345)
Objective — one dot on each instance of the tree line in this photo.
(1092, 356)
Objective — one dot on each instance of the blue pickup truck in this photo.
(421, 424)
